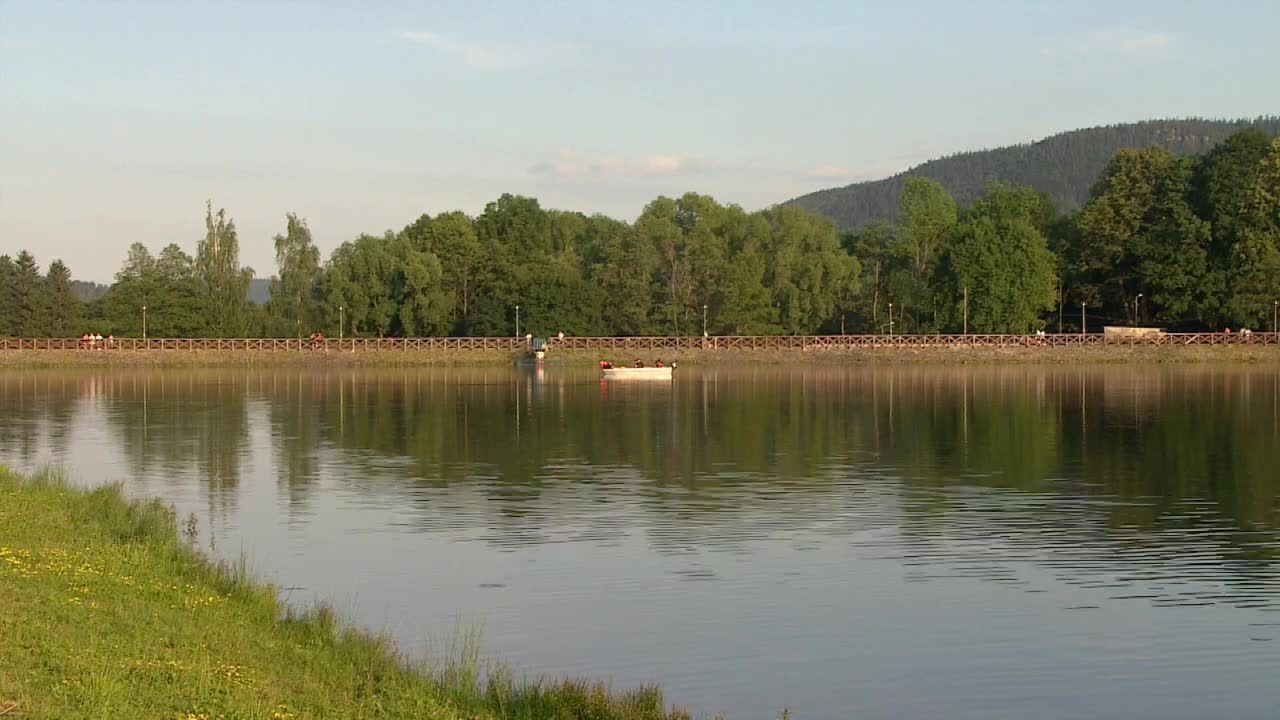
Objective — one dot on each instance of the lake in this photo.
(870, 542)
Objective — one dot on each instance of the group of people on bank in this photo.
(95, 341)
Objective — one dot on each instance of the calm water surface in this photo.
(869, 543)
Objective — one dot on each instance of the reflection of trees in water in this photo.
(1083, 464)
(1108, 477)
(295, 429)
(38, 411)
(168, 422)
(719, 446)
(164, 422)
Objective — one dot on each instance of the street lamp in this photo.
(890, 319)
(704, 320)
(340, 312)
(1083, 322)
(1275, 315)
(144, 322)
(1135, 309)
(517, 321)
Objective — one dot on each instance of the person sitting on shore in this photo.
(659, 363)
(639, 364)
(85, 341)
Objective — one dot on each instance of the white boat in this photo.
(634, 373)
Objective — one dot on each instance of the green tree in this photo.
(292, 304)
(1242, 188)
(29, 301)
(63, 306)
(135, 287)
(657, 226)
(809, 274)
(8, 298)
(1254, 260)
(357, 283)
(747, 307)
(516, 238)
(178, 309)
(1139, 235)
(424, 306)
(224, 284)
(166, 286)
(873, 247)
(927, 214)
(465, 262)
(623, 271)
(1000, 256)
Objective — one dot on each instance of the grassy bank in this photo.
(105, 612)
(1091, 355)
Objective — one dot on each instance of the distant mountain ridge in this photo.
(260, 291)
(1065, 166)
(88, 291)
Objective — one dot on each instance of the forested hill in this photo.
(1065, 166)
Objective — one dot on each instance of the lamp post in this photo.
(890, 319)
(1135, 309)
(340, 313)
(144, 322)
(1275, 315)
(704, 320)
(517, 321)
(1083, 324)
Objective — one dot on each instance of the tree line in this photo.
(1183, 242)
(1063, 166)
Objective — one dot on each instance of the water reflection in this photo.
(1090, 487)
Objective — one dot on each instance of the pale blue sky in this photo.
(118, 120)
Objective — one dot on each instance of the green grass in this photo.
(105, 612)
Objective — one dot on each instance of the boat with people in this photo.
(638, 371)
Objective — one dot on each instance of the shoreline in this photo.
(110, 613)
(921, 355)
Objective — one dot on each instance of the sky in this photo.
(119, 120)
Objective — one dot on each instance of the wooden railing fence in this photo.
(645, 344)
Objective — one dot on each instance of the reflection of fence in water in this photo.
(667, 343)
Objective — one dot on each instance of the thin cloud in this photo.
(570, 163)
(494, 56)
(662, 164)
(1127, 42)
(828, 172)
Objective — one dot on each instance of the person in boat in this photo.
(606, 365)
